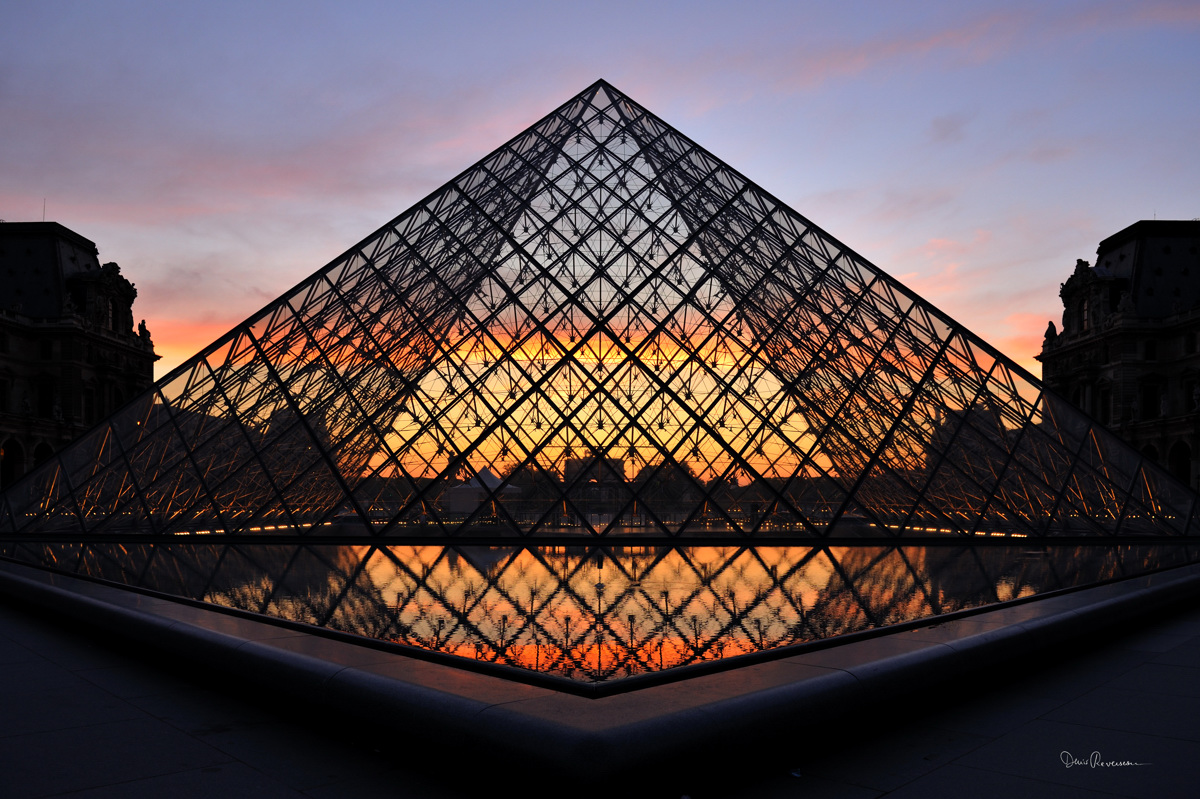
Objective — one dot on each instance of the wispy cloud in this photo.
(222, 163)
(942, 261)
(797, 58)
(901, 205)
(816, 63)
(949, 128)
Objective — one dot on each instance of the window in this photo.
(1151, 401)
(46, 391)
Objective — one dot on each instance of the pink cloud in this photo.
(802, 69)
(1121, 15)
(903, 205)
(729, 73)
(943, 258)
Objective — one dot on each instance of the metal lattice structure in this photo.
(592, 614)
(600, 329)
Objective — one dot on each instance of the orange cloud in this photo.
(177, 340)
(944, 258)
(1024, 339)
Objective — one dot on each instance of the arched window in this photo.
(1103, 410)
(1151, 398)
(1179, 462)
(12, 462)
(89, 403)
(42, 453)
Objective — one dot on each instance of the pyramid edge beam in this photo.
(615, 96)
(972, 338)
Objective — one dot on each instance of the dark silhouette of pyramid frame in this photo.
(600, 330)
(514, 606)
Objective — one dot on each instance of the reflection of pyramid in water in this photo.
(600, 328)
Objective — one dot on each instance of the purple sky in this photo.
(221, 152)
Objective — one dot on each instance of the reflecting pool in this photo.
(597, 614)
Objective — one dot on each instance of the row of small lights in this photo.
(252, 529)
(706, 524)
(945, 530)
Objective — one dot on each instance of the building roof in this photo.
(42, 229)
(1151, 228)
(36, 260)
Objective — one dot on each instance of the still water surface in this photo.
(599, 614)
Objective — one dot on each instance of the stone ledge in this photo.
(606, 735)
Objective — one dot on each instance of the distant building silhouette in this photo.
(69, 351)
(1129, 350)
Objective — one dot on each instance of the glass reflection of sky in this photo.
(600, 329)
(600, 614)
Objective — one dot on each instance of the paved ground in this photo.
(1135, 698)
(79, 718)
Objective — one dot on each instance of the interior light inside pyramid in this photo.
(600, 326)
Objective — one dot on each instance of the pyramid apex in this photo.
(606, 330)
(602, 83)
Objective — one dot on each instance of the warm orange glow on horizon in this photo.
(668, 379)
(179, 340)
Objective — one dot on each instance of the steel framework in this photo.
(597, 614)
(600, 329)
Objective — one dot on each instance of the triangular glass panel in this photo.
(109, 496)
(7, 523)
(1158, 505)
(601, 329)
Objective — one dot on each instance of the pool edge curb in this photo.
(573, 733)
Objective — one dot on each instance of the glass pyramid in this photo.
(600, 329)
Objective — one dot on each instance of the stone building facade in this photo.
(1129, 349)
(70, 353)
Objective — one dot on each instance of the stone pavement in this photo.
(80, 718)
(1134, 697)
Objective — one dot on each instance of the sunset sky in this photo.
(221, 152)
